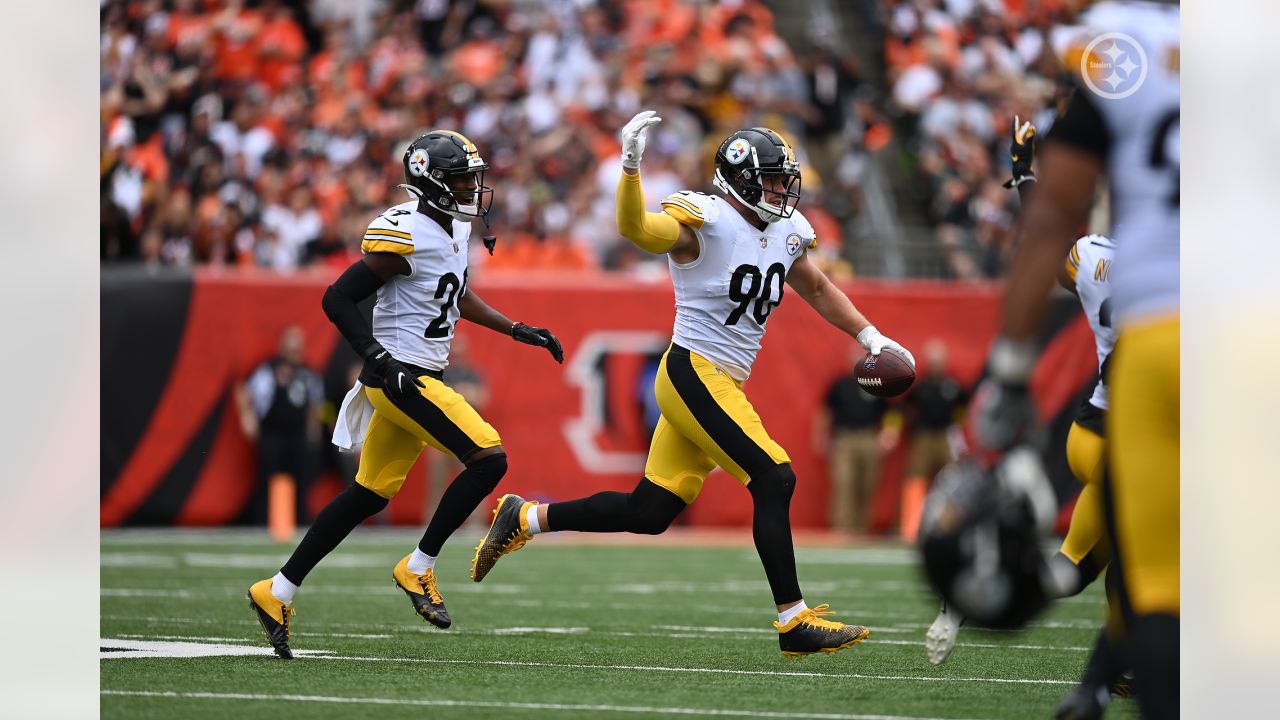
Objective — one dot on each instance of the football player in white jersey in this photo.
(729, 256)
(1131, 138)
(1084, 552)
(415, 259)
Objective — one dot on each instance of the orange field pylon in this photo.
(282, 514)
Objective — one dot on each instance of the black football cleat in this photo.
(423, 593)
(808, 633)
(508, 532)
(273, 615)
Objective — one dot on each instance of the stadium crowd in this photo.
(269, 133)
(959, 70)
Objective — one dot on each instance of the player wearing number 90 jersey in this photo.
(729, 257)
(416, 260)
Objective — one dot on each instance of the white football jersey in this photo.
(415, 315)
(1090, 267)
(1142, 136)
(725, 297)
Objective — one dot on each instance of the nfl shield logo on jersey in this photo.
(793, 244)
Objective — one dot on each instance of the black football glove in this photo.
(398, 381)
(1022, 149)
(1003, 411)
(540, 337)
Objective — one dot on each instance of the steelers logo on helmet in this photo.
(419, 161)
(444, 170)
(738, 151)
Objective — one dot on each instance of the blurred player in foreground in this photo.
(415, 259)
(1132, 140)
(729, 256)
(1084, 551)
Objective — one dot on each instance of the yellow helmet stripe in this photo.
(466, 143)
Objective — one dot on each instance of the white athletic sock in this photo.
(282, 589)
(420, 562)
(787, 615)
(531, 517)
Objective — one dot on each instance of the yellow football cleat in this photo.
(808, 633)
(273, 615)
(422, 592)
(508, 532)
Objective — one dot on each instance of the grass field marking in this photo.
(705, 712)
(118, 648)
(249, 639)
(711, 671)
(157, 561)
(733, 630)
(150, 593)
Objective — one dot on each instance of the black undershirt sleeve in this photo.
(1081, 126)
(341, 302)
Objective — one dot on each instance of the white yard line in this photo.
(697, 670)
(559, 707)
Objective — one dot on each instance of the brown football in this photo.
(885, 375)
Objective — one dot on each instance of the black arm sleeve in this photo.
(341, 302)
(1081, 125)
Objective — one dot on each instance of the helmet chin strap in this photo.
(764, 215)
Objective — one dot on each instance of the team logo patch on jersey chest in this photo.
(794, 244)
(738, 151)
(764, 243)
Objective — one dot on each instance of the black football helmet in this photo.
(981, 535)
(744, 161)
(445, 169)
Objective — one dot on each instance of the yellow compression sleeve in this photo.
(649, 231)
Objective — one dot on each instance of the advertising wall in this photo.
(173, 348)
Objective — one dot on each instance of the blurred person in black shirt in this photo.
(278, 407)
(848, 432)
(935, 404)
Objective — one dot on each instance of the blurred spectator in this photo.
(850, 431)
(279, 411)
(935, 405)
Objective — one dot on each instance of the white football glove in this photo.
(873, 342)
(632, 137)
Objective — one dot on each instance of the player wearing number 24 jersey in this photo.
(416, 261)
(730, 257)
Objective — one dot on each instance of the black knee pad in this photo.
(488, 470)
(652, 508)
(773, 485)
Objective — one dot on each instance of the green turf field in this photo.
(558, 630)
